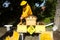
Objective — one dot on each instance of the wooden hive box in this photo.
(31, 20)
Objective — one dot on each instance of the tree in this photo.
(49, 11)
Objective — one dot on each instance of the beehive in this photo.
(31, 20)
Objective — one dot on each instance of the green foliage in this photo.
(49, 12)
(49, 26)
(46, 20)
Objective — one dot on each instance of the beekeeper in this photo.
(26, 10)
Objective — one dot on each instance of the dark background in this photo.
(11, 14)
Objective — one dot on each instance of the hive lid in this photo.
(31, 17)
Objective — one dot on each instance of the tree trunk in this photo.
(57, 15)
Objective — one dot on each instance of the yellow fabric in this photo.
(15, 36)
(26, 11)
(46, 36)
(23, 3)
(7, 38)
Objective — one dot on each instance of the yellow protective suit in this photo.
(7, 38)
(15, 36)
(26, 11)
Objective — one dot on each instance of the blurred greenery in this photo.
(46, 16)
(14, 11)
(49, 26)
(47, 20)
